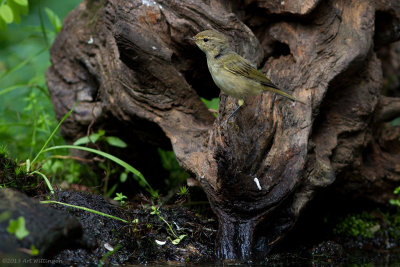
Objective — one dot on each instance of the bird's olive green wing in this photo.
(240, 66)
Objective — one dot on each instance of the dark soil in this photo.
(99, 239)
(136, 242)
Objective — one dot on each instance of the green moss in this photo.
(370, 225)
(358, 225)
(13, 175)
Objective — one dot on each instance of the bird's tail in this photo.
(282, 93)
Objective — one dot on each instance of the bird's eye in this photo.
(205, 39)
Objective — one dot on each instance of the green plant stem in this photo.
(107, 178)
(108, 254)
(47, 127)
(33, 141)
(46, 180)
(42, 89)
(42, 25)
(169, 225)
(110, 157)
(23, 63)
(83, 208)
(14, 87)
(52, 134)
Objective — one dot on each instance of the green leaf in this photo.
(123, 177)
(395, 122)
(115, 141)
(16, 11)
(395, 202)
(397, 190)
(94, 137)
(5, 215)
(82, 141)
(24, 10)
(178, 240)
(17, 227)
(54, 19)
(6, 13)
(86, 140)
(120, 197)
(211, 104)
(34, 251)
(3, 24)
(21, 2)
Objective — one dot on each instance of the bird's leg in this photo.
(240, 102)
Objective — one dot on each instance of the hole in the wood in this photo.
(280, 49)
(385, 28)
(199, 77)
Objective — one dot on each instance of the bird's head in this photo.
(211, 42)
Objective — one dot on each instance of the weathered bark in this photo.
(128, 62)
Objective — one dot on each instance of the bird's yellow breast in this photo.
(231, 84)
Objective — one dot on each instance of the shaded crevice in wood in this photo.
(389, 109)
(129, 63)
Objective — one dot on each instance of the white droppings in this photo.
(148, 3)
(90, 40)
(154, 48)
(202, 177)
(108, 247)
(282, 3)
(257, 183)
(160, 243)
(160, 6)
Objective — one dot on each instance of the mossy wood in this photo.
(136, 76)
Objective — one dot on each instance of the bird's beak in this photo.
(190, 38)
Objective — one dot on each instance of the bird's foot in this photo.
(230, 116)
(226, 121)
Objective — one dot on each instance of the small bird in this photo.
(233, 74)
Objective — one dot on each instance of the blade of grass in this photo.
(48, 130)
(108, 254)
(43, 90)
(46, 181)
(23, 63)
(112, 158)
(46, 39)
(17, 86)
(12, 88)
(83, 208)
(34, 130)
(53, 133)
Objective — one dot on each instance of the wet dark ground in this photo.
(136, 243)
(311, 243)
(147, 239)
(314, 242)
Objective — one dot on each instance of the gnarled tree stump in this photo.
(134, 73)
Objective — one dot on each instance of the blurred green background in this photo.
(26, 113)
(27, 118)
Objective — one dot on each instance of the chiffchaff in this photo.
(233, 74)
